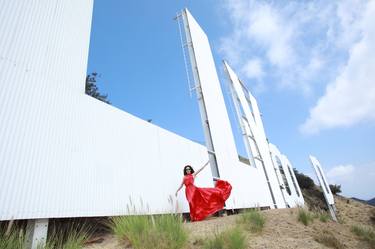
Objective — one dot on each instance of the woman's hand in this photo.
(180, 187)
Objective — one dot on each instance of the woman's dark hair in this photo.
(191, 169)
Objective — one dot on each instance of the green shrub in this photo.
(230, 239)
(335, 189)
(304, 217)
(253, 221)
(303, 180)
(144, 232)
(365, 233)
(328, 239)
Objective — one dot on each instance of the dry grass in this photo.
(281, 229)
(365, 233)
(328, 239)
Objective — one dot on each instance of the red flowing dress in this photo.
(205, 201)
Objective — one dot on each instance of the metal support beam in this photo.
(332, 211)
(36, 233)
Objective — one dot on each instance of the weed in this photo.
(143, 232)
(14, 240)
(253, 221)
(71, 235)
(304, 217)
(323, 216)
(230, 239)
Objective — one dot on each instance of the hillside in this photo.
(371, 202)
(281, 229)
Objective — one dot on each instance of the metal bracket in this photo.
(36, 233)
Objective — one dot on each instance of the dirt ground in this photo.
(281, 230)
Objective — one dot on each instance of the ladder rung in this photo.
(186, 44)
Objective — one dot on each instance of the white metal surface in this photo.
(249, 185)
(63, 153)
(322, 180)
(295, 198)
(298, 199)
(252, 126)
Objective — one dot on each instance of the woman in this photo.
(203, 201)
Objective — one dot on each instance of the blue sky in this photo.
(310, 65)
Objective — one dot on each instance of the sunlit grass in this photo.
(144, 232)
(231, 239)
(252, 221)
(305, 217)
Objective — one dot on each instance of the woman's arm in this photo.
(196, 173)
(179, 188)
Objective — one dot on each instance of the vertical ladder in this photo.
(188, 44)
(250, 141)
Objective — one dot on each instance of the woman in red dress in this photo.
(203, 201)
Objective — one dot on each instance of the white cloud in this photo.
(350, 98)
(279, 36)
(253, 69)
(356, 181)
(267, 27)
(340, 171)
(308, 46)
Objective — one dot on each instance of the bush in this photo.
(328, 239)
(335, 189)
(252, 221)
(365, 233)
(304, 181)
(304, 217)
(144, 232)
(230, 239)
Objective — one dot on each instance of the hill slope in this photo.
(282, 229)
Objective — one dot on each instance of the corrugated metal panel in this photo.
(65, 154)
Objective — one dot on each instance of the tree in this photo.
(335, 189)
(304, 181)
(92, 89)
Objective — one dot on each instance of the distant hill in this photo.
(370, 202)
